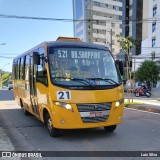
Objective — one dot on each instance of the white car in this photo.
(10, 85)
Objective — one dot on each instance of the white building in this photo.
(150, 48)
(104, 21)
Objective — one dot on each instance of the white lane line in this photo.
(143, 111)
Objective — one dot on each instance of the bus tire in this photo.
(53, 132)
(26, 113)
(110, 128)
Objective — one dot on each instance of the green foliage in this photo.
(148, 71)
(127, 43)
(5, 78)
(131, 103)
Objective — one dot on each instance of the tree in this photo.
(127, 43)
(5, 79)
(148, 71)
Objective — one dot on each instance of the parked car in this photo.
(10, 85)
(5, 87)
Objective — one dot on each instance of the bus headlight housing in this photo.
(118, 103)
(64, 105)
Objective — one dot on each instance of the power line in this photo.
(12, 54)
(7, 57)
(83, 20)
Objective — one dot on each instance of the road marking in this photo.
(143, 111)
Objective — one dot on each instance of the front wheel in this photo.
(148, 94)
(54, 132)
(110, 128)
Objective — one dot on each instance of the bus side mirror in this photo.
(120, 66)
(36, 58)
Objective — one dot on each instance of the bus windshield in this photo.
(82, 66)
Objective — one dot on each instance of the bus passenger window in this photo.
(18, 68)
(22, 69)
(42, 72)
(27, 67)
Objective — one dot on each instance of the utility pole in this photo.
(110, 32)
(111, 40)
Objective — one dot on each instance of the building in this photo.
(150, 46)
(98, 21)
(151, 29)
(132, 26)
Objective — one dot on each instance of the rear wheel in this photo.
(54, 132)
(110, 128)
(24, 110)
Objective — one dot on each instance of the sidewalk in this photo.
(156, 92)
(147, 104)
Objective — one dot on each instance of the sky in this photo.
(21, 34)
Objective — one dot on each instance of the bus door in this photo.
(33, 88)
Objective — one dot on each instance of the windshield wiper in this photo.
(82, 80)
(105, 79)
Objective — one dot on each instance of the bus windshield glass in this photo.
(82, 66)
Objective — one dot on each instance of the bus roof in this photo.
(73, 44)
(66, 43)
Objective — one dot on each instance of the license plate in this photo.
(96, 114)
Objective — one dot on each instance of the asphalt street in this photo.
(138, 132)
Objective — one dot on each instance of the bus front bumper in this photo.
(64, 119)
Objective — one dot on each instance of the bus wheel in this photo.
(110, 128)
(52, 131)
(24, 110)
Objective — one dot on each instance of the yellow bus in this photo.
(69, 84)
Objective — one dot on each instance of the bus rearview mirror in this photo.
(36, 58)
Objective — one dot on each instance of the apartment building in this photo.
(151, 29)
(132, 26)
(98, 21)
(150, 46)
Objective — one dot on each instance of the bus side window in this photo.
(26, 72)
(18, 68)
(22, 69)
(14, 70)
(41, 72)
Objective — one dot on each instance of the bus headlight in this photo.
(64, 105)
(118, 103)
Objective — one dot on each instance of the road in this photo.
(139, 132)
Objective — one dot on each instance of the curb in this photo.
(144, 108)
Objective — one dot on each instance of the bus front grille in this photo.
(94, 107)
(94, 119)
(92, 113)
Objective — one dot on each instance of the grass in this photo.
(131, 103)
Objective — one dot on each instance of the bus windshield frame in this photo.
(83, 67)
